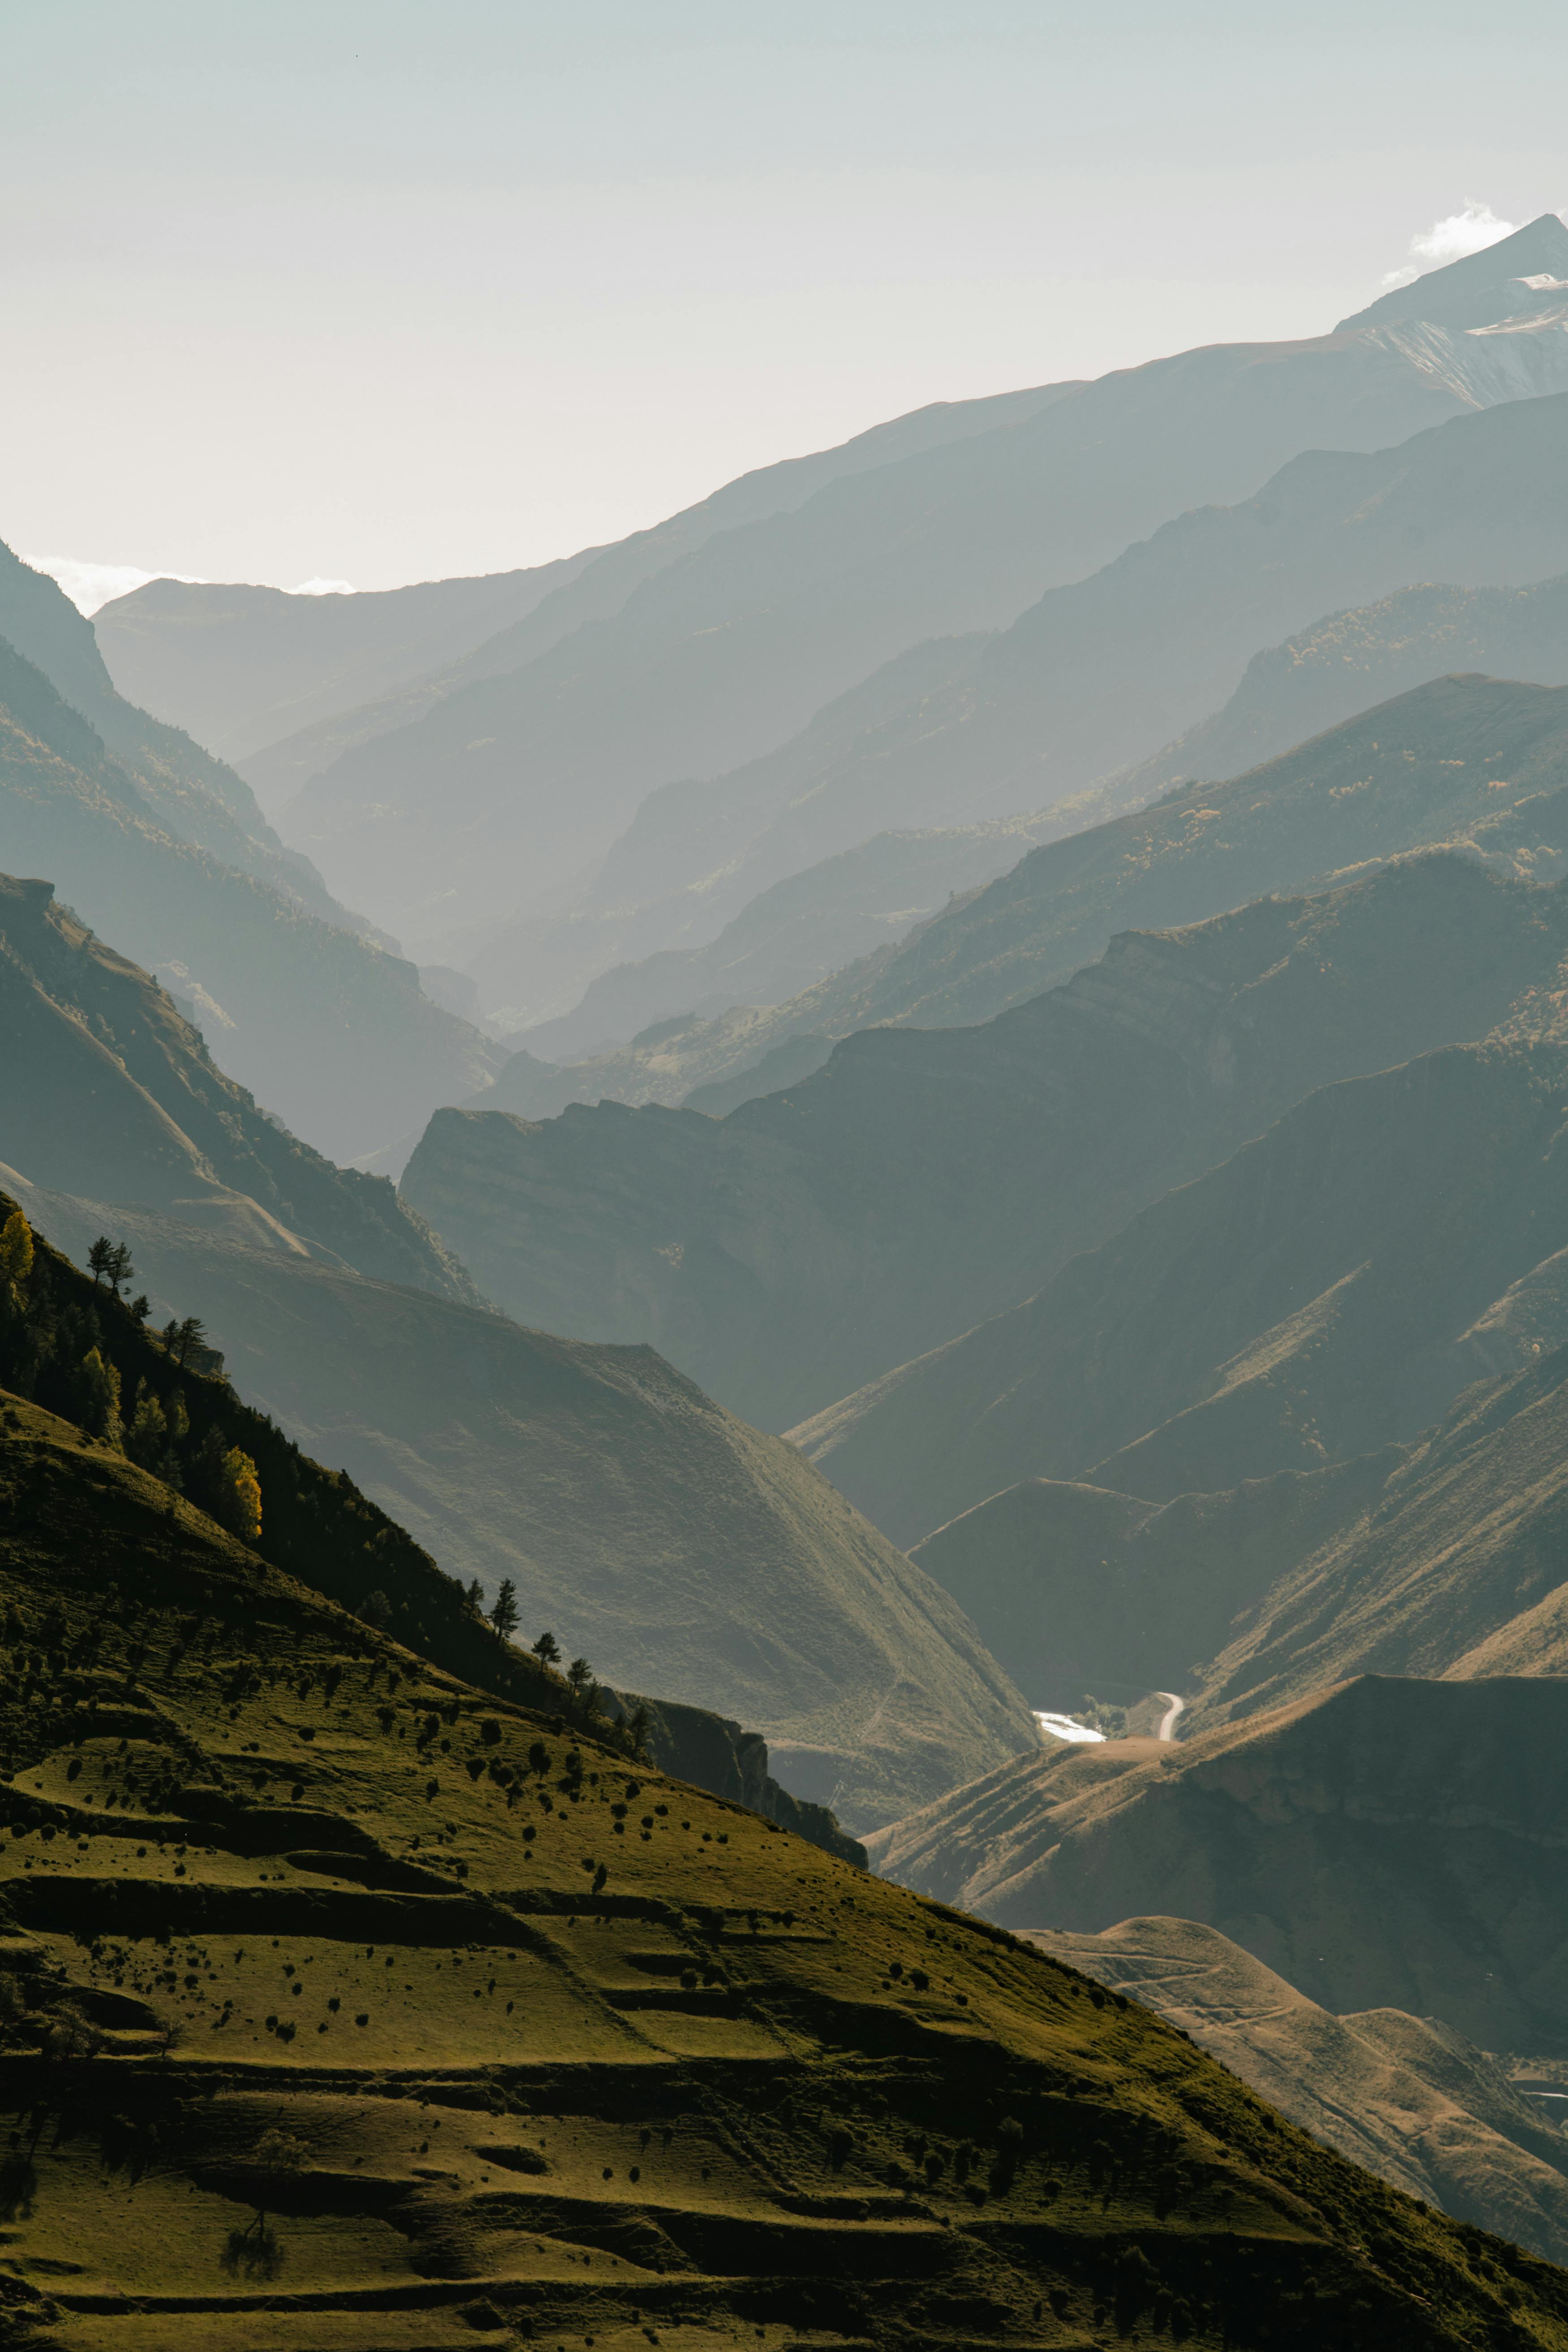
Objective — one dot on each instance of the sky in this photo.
(317, 291)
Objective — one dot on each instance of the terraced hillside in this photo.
(347, 2006)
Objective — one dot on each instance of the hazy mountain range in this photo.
(813, 1239)
(1034, 1182)
(705, 645)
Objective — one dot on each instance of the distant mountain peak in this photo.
(1502, 279)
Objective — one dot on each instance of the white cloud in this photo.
(89, 585)
(1470, 230)
(323, 588)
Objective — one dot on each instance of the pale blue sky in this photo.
(374, 290)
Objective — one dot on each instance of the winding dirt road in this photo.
(1168, 1720)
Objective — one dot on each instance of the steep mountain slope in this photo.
(241, 666)
(105, 1089)
(1481, 287)
(182, 1416)
(1098, 674)
(681, 870)
(1456, 759)
(1300, 1303)
(193, 796)
(1077, 1588)
(1385, 1843)
(715, 2082)
(1440, 1559)
(1455, 1567)
(1349, 661)
(330, 1032)
(1412, 2100)
(790, 936)
(814, 1240)
(729, 652)
(682, 1552)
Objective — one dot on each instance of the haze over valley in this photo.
(783, 1232)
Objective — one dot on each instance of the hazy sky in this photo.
(379, 290)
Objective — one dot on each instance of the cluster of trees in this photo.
(83, 1350)
(584, 1694)
(60, 1352)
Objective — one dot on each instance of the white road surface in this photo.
(1177, 1707)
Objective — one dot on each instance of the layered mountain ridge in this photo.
(726, 654)
(807, 1243)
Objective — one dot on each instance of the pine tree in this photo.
(505, 1615)
(547, 1650)
(186, 1341)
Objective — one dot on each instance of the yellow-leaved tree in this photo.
(242, 1495)
(16, 1260)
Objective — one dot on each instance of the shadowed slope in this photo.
(1459, 760)
(1349, 661)
(682, 1552)
(1299, 1304)
(327, 1028)
(558, 2046)
(1078, 1588)
(1411, 2099)
(813, 1239)
(194, 797)
(1384, 1843)
(105, 1089)
(1455, 1568)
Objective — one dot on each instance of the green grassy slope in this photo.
(107, 1090)
(1386, 1842)
(329, 1030)
(681, 1551)
(558, 2048)
(322, 1530)
(1307, 1299)
(1412, 2100)
(815, 1239)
